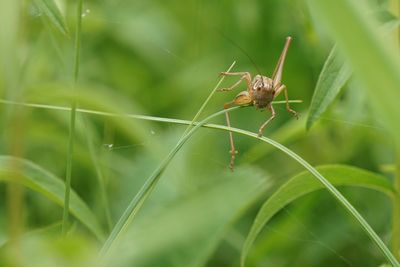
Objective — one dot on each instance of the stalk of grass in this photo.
(71, 138)
(207, 100)
(396, 200)
(110, 114)
(13, 127)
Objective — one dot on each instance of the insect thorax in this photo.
(263, 91)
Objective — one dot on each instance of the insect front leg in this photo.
(245, 76)
(283, 88)
(261, 130)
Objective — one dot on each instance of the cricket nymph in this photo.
(261, 91)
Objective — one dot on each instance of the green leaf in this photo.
(370, 54)
(51, 187)
(334, 75)
(331, 80)
(50, 9)
(305, 183)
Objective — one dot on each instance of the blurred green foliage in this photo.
(162, 58)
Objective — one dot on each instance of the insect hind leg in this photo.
(233, 151)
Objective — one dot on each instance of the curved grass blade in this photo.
(116, 112)
(304, 183)
(51, 187)
(195, 118)
(138, 201)
(331, 80)
(331, 189)
(50, 9)
(134, 205)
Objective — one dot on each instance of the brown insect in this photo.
(261, 91)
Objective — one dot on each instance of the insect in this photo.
(261, 91)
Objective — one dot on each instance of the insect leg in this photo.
(277, 75)
(245, 76)
(261, 130)
(228, 123)
(242, 99)
(233, 150)
(283, 88)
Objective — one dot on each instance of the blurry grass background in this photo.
(162, 58)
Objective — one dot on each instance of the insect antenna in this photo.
(243, 51)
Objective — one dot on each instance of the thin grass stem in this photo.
(207, 100)
(71, 138)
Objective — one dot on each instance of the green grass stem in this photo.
(207, 100)
(71, 138)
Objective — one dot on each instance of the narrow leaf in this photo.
(51, 187)
(334, 75)
(331, 80)
(305, 183)
(373, 58)
(50, 9)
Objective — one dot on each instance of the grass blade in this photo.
(117, 113)
(331, 189)
(50, 9)
(208, 99)
(138, 201)
(146, 189)
(305, 183)
(51, 187)
(71, 138)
